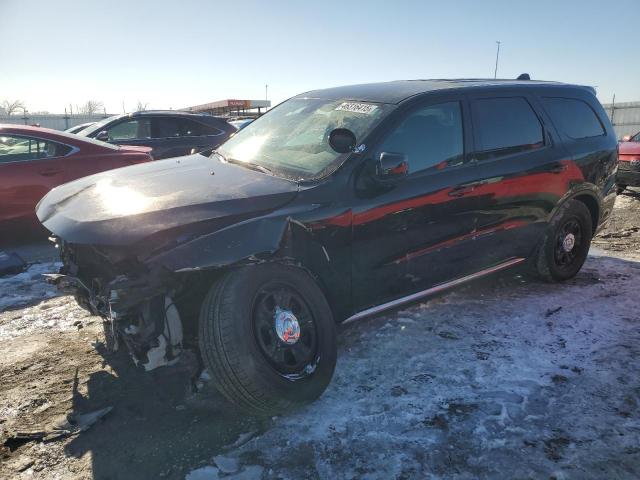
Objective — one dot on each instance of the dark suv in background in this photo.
(334, 205)
(169, 133)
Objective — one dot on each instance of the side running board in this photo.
(433, 290)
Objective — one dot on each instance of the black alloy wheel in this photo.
(565, 246)
(284, 329)
(568, 242)
(268, 337)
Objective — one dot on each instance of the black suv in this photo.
(169, 133)
(334, 205)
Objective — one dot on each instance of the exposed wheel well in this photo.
(594, 209)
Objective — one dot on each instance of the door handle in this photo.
(49, 172)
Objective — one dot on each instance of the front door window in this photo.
(135, 129)
(431, 137)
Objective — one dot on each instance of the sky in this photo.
(173, 54)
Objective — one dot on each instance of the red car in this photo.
(629, 163)
(34, 160)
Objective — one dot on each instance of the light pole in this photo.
(495, 72)
(266, 92)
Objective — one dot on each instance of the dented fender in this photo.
(225, 247)
(317, 239)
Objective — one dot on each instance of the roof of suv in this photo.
(399, 90)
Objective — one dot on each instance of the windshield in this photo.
(292, 139)
(96, 127)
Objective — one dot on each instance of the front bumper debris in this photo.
(138, 312)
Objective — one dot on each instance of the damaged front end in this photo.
(142, 245)
(136, 302)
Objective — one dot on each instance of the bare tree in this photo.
(12, 107)
(90, 107)
(141, 107)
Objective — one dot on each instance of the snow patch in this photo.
(481, 382)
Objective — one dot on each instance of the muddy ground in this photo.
(622, 233)
(505, 378)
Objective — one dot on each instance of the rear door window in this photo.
(21, 149)
(506, 125)
(575, 118)
(430, 137)
(166, 127)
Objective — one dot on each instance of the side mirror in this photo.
(392, 166)
(103, 136)
(342, 140)
(626, 138)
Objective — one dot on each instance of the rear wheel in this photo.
(268, 337)
(565, 246)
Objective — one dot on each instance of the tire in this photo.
(234, 327)
(620, 189)
(553, 262)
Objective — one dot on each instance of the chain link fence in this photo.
(625, 117)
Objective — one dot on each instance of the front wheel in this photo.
(565, 246)
(268, 337)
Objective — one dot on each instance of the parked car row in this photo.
(34, 160)
(169, 133)
(334, 205)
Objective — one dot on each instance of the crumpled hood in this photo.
(123, 206)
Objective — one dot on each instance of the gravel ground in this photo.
(504, 378)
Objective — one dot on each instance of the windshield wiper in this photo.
(252, 166)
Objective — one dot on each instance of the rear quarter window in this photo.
(191, 128)
(573, 117)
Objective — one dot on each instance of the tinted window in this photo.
(573, 117)
(18, 149)
(191, 128)
(506, 123)
(166, 127)
(430, 136)
(138, 128)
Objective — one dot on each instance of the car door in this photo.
(415, 232)
(29, 168)
(168, 138)
(521, 169)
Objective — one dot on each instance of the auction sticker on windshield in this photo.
(354, 107)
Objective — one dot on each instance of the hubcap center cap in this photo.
(569, 242)
(287, 326)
